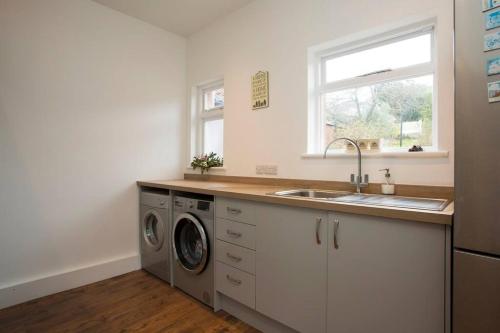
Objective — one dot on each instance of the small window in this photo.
(380, 90)
(213, 99)
(211, 119)
(379, 59)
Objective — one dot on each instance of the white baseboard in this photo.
(25, 291)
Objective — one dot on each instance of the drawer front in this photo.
(236, 284)
(236, 210)
(235, 256)
(236, 233)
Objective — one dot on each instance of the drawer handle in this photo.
(234, 211)
(318, 226)
(336, 224)
(233, 257)
(233, 233)
(233, 280)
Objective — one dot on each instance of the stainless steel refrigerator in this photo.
(476, 253)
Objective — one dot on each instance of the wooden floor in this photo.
(134, 302)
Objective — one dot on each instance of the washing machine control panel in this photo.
(203, 205)
(154, 199)
(196, 206)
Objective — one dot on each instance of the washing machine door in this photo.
(153, 230)
(190, 243)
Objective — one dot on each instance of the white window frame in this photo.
(318, 85)
(203, 115)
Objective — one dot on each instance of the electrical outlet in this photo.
(266, 170)
(260, 169)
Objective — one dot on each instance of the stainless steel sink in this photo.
(367, 199)
(312, 194)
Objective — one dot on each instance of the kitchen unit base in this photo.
(285, 269)
(251, 317)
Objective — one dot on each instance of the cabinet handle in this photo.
(234, 211)
(233, 280)
(318, 226)
(233, 257)
(233, 233)
(336, 224)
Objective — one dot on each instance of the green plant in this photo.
(206, 161)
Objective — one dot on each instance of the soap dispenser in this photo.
(387, 188)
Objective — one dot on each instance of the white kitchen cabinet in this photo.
(386, 276)
(291, 266)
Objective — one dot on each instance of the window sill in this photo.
(380, 154)
(216, 169)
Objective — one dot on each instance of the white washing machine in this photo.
(193, 246)
(155, 233)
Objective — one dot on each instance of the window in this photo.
(381, 89)
(211, 119)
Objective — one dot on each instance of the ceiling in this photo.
(183, 17)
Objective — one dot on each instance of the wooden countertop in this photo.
(259, 193)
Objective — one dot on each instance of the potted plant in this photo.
(206, 161)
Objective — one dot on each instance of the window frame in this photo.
(203, 115)
(318, 86)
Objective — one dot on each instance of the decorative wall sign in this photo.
(494, 92)
(260, 90)
(489, 4)
(493, 65)
(492, 41)
(492, 19)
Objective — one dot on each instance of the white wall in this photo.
(91, 100)
(274, 35)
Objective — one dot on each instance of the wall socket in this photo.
(266, 170)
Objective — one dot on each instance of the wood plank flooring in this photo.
(134, 302)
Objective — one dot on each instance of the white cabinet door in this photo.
(386, 276)
(291, 266)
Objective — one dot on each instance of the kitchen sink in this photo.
(312, 194)
(367, 199)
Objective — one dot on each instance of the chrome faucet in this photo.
(355, 180)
